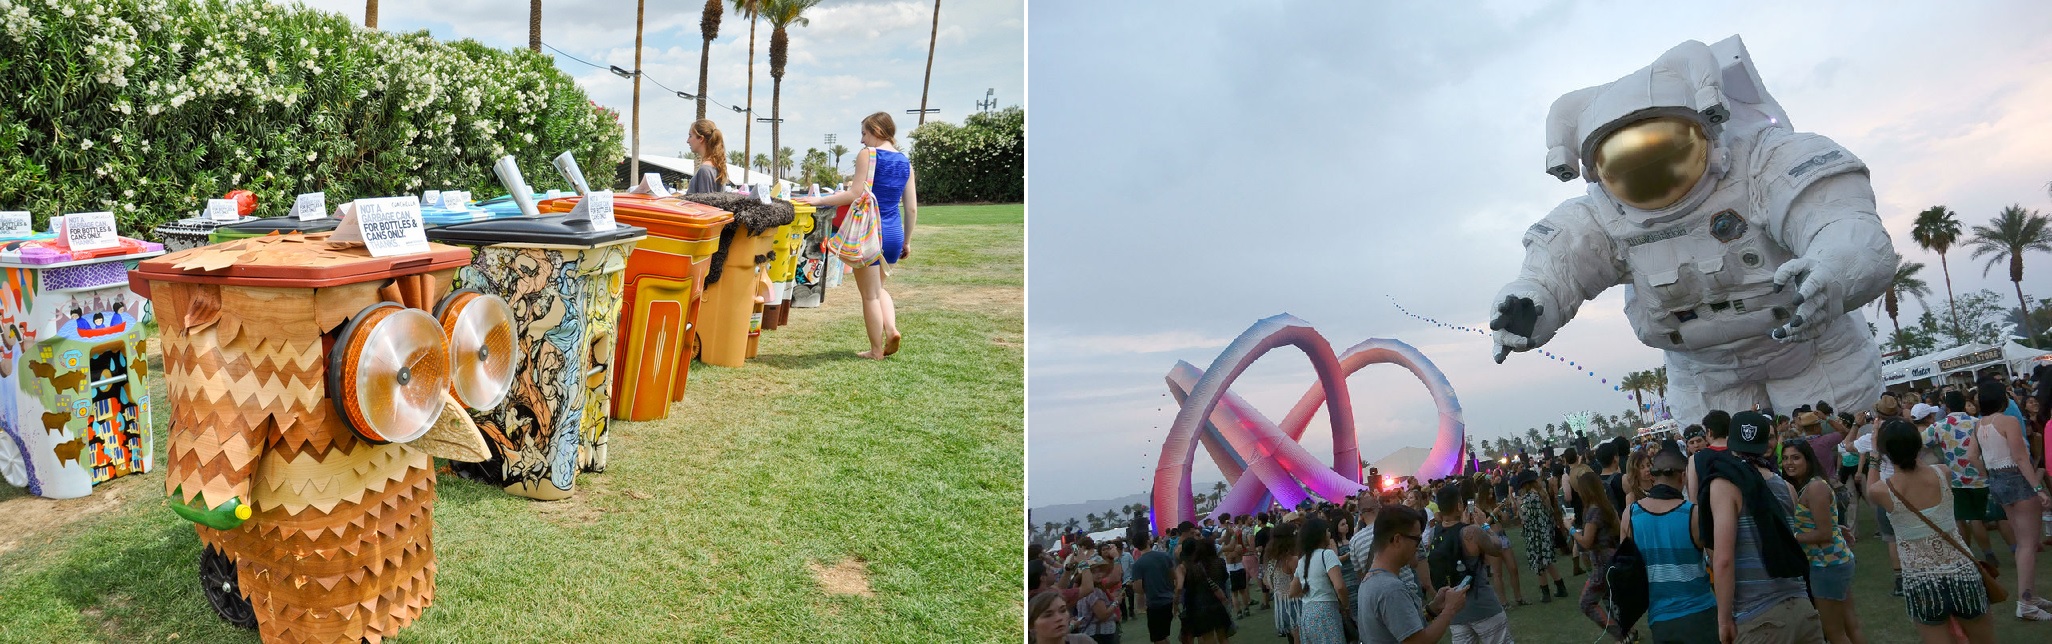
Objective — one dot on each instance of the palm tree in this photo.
(786, 157)
(2005, 239)
(1218, 490)
(928, 84)
(782, 14)
(370, 14)
(1071, 525)
(1907, 283)
(1657, 381)
(1096, 522)
(762, 162)
(838, 150)
(534, 25)
(737, 158)
(752, 9)
(708, 29)
(1637, 382)
(1936, 230)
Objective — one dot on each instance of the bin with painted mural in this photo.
(74, 402)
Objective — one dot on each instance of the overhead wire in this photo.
(651, 79)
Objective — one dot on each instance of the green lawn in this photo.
(1882, 618)
(809, 496)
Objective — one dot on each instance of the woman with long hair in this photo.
(1598, 535)
(1320, 585)
(1940, 584)
(2016, 484)
(1205, 599)
(1817, 529)
(1538, 528)
(711, 150)
(1047, 621)
(884, 171)
(1282, 558)
(1494, 518)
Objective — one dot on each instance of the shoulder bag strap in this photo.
(1927, 521)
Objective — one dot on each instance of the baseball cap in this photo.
(1750, 432)
(1923, 411)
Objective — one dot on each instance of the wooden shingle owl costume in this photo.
(311, 388)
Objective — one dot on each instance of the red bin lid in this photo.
(290, 261)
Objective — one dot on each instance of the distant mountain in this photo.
(1062, 513)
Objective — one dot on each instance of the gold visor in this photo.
(1653, 163)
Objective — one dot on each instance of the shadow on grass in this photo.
(808, 360)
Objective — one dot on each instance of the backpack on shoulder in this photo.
(1447, 560)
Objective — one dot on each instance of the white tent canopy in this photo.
(688, 168)
(2020, 360)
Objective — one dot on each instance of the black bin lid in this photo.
(282, 225)
(559, 230)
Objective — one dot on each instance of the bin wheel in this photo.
(491, 471)
(217, 578)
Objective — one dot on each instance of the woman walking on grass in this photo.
(2016, 484)
(1537, 524)
(1320, 585)
(881, 169)
(1282, 558)
(1205, 616)
(1598, 535)
(1939, 582)
(1817, 528)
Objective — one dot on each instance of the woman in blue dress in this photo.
(880, 168)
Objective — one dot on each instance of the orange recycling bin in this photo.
(730, 320)
(665, 280)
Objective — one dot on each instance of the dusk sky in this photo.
(856, 57)
(1198, 166)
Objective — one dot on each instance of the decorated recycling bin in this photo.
(740, 270)
(267, 225)
(311, 390)
(74, 405)
(563, 277)
(784, 269)
(197, 230)
(809, 279)
(660, 299)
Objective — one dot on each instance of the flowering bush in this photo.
(981, 160)
(149, 107)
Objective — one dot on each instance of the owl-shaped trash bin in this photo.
(310, 389)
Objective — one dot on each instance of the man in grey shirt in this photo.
(1387, 611)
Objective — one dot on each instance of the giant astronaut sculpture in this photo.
(1746, 248)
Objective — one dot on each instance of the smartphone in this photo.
(1463, 586)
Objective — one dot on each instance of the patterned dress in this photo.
(1538, 531)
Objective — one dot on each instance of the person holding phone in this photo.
(1387, 610)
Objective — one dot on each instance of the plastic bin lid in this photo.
(288, 261)
(197, 224)
(42, 250)
(558, 230)
(628, 206)
(285, 224)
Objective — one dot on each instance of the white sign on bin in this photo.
(389, 226)
(222, 210)
(599, 209)
(431, 198)
(90, 231)
(16, 223)
(311, 206)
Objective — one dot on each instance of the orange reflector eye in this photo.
(482, 352)
(388, 373)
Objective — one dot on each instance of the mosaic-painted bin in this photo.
(74, 405)
(564, 281)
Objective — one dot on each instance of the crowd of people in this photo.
(1740, 530)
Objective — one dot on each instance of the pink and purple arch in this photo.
(1242, 441)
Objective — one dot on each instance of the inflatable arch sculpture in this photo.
(1243, 441)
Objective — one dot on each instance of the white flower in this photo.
(86, 144)
(130, 193)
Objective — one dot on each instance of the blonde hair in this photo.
(715, 147)
(881, 126)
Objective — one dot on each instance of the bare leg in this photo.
(869, 280)
(1979, 630)
(1841, 625)
(2024, 518)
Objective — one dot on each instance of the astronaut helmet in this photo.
(1650, 139)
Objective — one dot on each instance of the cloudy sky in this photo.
(856, 57)
(1198, 166)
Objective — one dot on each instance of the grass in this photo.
(1883, 618)
(809, 496)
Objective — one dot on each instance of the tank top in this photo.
(1829, 554)
(1757, 590)
(1675, 578)
(1994, 448)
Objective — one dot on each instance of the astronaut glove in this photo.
(1820, 294)
(1514, 320)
